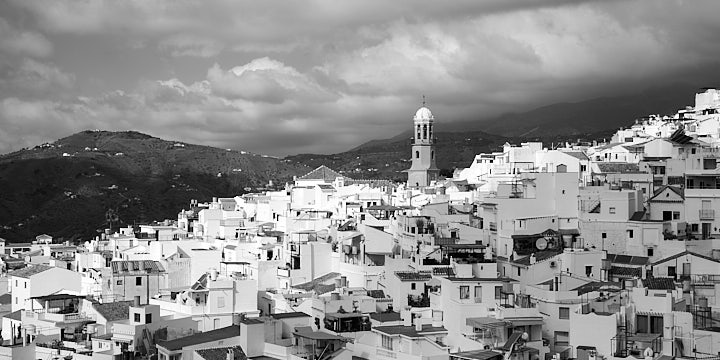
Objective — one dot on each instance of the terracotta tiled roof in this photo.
(130, 266)
(222, 353)
(445, 270)
(617, 167)
(114, 311)
(673, 257)
(321, 173)
(29, 271)
(625, 271)
(376, 294)
(627, 259)
(201, 338)
(310, 285)
(659, 283)
(409, 331)
(413, 275)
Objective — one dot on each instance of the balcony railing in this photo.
(386, 353)
(700, 279)
(707, 214)
(56, 317)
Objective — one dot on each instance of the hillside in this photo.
(66, 188)
(585, 117)
(386, 159)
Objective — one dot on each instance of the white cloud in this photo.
(31, 78)
(24, 43)
(329, 75)
(191, 45)
(267, 80)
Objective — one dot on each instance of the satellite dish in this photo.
(541, 243)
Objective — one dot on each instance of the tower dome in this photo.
(423, 113)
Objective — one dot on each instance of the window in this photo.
(676, 215)
(641, 324)
(221, 302)
(387, 342)
(16, 283)
(656, 324)
(611, 210)
(119, 282)
(148, 318)
(562, 338)
(564, 313)
(667, 215)
(478, 294)
(412, 286)
(583, 168)
(630, 234)
(694, 227)
(136, 317)
(650, 252)
(138, 280)
(604, 235)
(498, 292)
(518, 269)
(417, 154)
(464, 292)
(588, 270)
(672, 271)
(25, 283)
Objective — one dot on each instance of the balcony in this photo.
(57, 317)
(707, 214)
(386, 353)
(703, 279)
(418, 301)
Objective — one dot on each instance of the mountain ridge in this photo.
(66, 188)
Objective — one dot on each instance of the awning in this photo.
(525, 321)
(649, 313)
(485, 322)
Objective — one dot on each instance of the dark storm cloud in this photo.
(324, 76)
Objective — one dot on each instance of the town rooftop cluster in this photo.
(587, 251)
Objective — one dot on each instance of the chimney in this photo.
(406, 316)
(137, 301)
(643, 272)
(437, 318)
(418, 323)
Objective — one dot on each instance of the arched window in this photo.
(418, 133)
(432, 154)
(430, 131)
(417, 154)
(425, 131)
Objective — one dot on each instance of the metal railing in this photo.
(707, 214)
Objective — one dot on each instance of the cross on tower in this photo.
(423, 100)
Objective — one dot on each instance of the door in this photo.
(686, 269)
(705, 230)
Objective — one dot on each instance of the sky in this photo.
(323, 76)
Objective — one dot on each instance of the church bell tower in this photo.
(423, 169)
